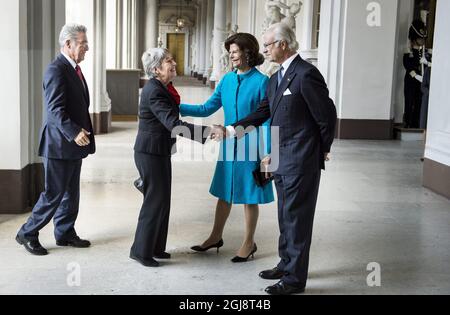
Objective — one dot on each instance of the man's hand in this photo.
(265, 163)
(82, 139)
(326, 157)
(218, 133)
(424, 61)
(419, 78)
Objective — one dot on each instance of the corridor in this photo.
(372, 208)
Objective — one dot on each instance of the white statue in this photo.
(229, 30)
(211, 57)
(232, 30)
(225, 56)
(194, 54)
(293, 10)
(274, 15)
(225, 60)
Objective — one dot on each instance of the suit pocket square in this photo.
(287, 93)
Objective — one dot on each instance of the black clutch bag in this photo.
(260, 178)
(139, 184)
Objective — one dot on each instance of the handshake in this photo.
(218, 133)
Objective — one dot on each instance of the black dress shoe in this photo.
(201, 249)
(272, 274)
(33, 247)
(74, 242)
(163, 255)
(282, 288)
(139, 184)
(238, 259)
(145, 263)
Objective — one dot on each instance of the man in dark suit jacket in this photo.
(298, 103)
(66, 139)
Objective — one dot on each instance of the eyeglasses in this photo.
(268, 45)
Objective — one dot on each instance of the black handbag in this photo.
(260, 178)
(139, 184)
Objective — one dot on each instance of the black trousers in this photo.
(153, 224)
(297, 199)
(413, 102)
(60, 201)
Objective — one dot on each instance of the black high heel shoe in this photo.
(238, 259)
(201, 249)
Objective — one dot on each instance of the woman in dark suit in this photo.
(159, 124)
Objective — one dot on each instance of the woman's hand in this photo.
(265, 164)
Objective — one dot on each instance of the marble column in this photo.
(202, 47)
(119, 33)
(252, 17)
(219, 38)
(234, 12)
(306, 29)
(100, 98)
(14, 121)
(92, 14)
(209, 39)
(130, 34)
(151, 23)
(33, 28)
(198, 23)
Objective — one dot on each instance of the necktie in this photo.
(280, 76)
(79, 73)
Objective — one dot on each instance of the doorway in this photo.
(176, 46)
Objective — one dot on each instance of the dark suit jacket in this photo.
(159, 122)
(306, 118)
(67, 104)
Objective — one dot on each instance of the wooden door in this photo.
(176, 46)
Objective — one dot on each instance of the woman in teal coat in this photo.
(239, 94)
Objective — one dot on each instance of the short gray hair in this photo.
(152, 59)
(70, 32)
(283, 32)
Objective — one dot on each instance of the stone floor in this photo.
(372, 208)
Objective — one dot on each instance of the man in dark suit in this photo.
(298, 103)
(66, 139)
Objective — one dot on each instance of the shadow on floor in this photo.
(115, 127)
(6, 218)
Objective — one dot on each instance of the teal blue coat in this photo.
(239, 96)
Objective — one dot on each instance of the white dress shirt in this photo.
(231, 133)
(72, 62)
(287, 64)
